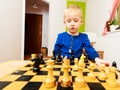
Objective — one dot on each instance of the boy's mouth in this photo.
(72, 28)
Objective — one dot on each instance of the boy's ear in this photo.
(64, 22)
(82, 21)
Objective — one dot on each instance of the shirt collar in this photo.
(73, 34)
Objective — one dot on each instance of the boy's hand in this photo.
(99, 61)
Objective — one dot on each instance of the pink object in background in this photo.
(113, 11)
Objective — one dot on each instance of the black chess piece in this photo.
(86, 58)
(37, 61)
(114, 64)
(79, 57)
(72, 58)
(53, 57)
(41, 58)
(59, 58)
(36, 67)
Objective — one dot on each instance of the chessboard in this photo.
(25, 79)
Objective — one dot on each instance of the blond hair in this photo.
(74, 8)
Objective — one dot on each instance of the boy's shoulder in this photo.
(62, 33)
(84, 34)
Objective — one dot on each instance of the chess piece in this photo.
(114, 64)
(37, 61)
(72, 58)
(65, 58)
(82, 59)
(86, 58)
(75, 67)
(59, 58)
(65, 79)
(50, 79)
(79, 80)
(111, 80)
(91, 69)
(36, 67)
(41, 58)
(102, 76)
(53, 57)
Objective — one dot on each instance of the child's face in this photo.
(73, 21)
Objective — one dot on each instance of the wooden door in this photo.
(33, 33)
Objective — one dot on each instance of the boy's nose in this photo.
(72, 22)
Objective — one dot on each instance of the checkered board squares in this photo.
(25, 79)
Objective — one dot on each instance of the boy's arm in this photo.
(57, 45)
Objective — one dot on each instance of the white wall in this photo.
(110, 44)
(97, 13)
(11, 26)
(56, 25)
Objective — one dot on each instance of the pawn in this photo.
(53, 57)
(75, 67)
(65, 79)
(86, 58)
(102, 76)
(114, 64)
(59, 58)
(41, 58)
(91, 69)
(111, 80)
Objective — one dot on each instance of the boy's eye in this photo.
(76, 20)
(68, 20)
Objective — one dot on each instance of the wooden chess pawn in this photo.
(75, 67)
(50, 79)
(102, 76)
(91, 69)
(79, 80)
(65, 58)
(111, 80)
(65, 79)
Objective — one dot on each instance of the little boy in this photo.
(73, 42)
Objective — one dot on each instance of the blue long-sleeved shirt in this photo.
(66, 42)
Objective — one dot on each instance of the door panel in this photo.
(33, 33)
